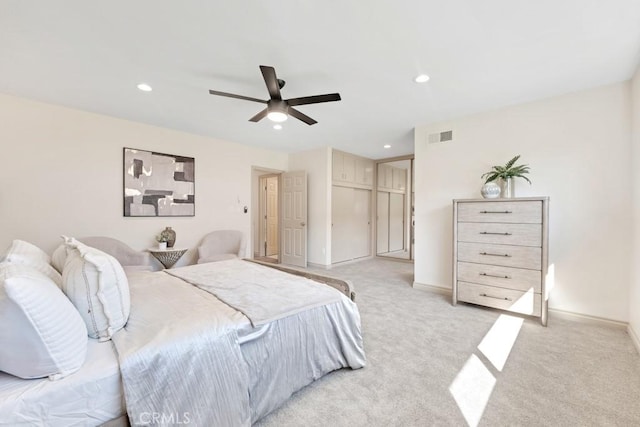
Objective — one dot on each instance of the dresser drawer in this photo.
(526, 212)
(504, 255)
(503, 277)
(505, 299)
(500, 233)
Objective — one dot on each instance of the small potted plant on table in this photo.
(162, 239)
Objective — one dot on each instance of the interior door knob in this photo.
(302, 224)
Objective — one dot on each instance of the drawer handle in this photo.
(497, 234)
(500, 298)
(489, 254)
(499, 212)
(495, 275)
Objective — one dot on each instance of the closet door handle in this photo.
(497, 234)
(490, 254)
(495, 275)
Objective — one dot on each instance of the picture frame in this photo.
(157, 184)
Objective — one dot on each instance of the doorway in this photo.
(394, 208)
(268, 224)
(279, 219)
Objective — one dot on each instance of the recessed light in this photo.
(421, 78)
(277, 127)
(387, 146)
(145, 87)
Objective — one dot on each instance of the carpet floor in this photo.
(430, 363)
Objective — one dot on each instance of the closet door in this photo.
(341, 222)
(361, 223)
(382, 237)
(396, 222)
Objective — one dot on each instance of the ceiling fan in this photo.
(279, 109)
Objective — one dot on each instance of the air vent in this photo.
(445, 136)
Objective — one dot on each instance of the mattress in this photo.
(90, 397)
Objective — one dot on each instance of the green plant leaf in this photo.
(511, 162)
(509, 170)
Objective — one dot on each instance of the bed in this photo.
(222, 343)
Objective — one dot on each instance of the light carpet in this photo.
(430, 363)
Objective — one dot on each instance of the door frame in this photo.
(409, 229)
(258, 172)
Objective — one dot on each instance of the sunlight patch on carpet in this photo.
(498, 342)
(472, 388)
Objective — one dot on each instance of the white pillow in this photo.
(21, 252)
(97, 285)
(59, 257)
(41, 332)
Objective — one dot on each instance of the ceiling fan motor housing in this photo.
(279, 109)
(278, 105)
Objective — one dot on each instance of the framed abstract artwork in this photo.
(158, 184)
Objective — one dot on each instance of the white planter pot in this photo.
(508, 190)
(162, 246)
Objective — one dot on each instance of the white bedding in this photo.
(91, 396)
(179, 356)
(263, 294)
(187, 357)
(303, 331)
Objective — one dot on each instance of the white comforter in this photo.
(186, 355)
(179, 356)
(263, 294)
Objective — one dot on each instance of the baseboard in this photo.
(585, 318)
(350, 261)
(432, 288)
(634, 337)
(320, 266)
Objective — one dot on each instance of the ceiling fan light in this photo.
(277, 116)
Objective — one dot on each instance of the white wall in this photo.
(634, 294)
(62, 174)
(317, 163)
(578, 148)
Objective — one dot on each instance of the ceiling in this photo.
(480, 55)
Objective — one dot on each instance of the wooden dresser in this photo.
(500, 251)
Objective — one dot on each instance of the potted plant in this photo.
(506, 173)
(162, 239)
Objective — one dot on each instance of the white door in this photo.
(361, 223)
(396, 222)
(294, 218)
(341, 213)
(383, 222)
(350, 223)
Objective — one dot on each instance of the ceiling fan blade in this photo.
(314, 99)
(231, 95)
(298, 115)
(269, 75)
(261, 115)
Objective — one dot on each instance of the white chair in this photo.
(221, 245)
